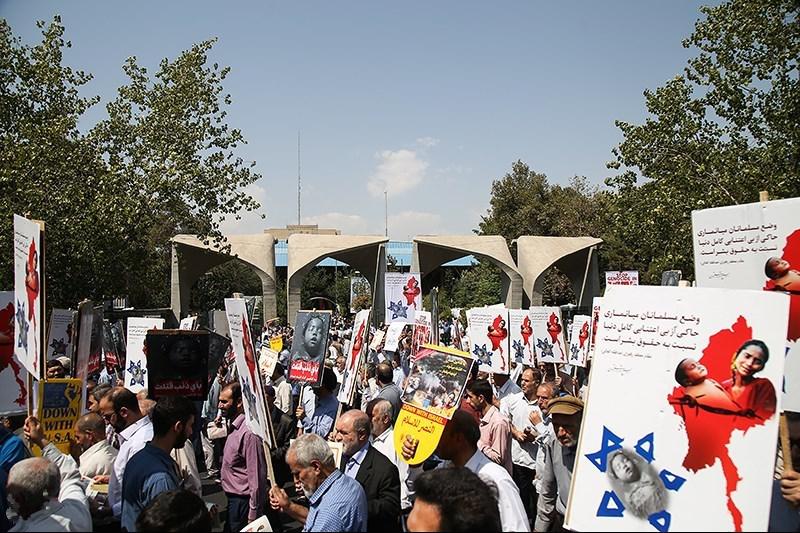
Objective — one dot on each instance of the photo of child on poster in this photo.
(308, 346)
(177, 363)
(437, 380)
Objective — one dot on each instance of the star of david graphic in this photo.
(611, 505)
(483, 355)
(544, 348)
(573, 352)
(22, 326)
(519, 350)
(398, 310)
(137, 373)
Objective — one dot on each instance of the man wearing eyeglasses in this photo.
(120, 410)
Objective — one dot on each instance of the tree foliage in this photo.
(162, 162)
(717, 134)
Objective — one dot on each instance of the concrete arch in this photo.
(535, 255)
(306, 251)
(191, 258)
(432, 251)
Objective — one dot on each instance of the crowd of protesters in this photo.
(506, 456)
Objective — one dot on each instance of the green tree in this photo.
(161, 163)
(209, 292)
(523, 202)
(719, 133)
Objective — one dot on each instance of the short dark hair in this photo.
(468, 504)
(769, 267)
(384, 373)
(176, 510)
(100, 390)
(236, 391)
(465, 424)
(169, 411)
(481, 387)
(329, 380)
(121, 397)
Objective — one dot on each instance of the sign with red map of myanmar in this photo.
(755, 246)
(680, 428)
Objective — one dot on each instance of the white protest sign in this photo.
(403, 296)
(579, 340)
(755, 246)
(136, 365)
(625, 277)
(548, 332)
(681, 420)
(28, 285)
(521, 330)
(489, 339)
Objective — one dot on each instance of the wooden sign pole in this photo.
(786, 447)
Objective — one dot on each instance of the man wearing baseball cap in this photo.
(566, 413)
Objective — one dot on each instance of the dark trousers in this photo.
(523, 477)
(238, 509)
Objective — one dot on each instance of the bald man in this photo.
(97, 456)
(373, 470)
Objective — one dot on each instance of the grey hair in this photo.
(311, 447)
(36, 480)
(385, 408)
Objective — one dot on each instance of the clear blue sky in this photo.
(437, 98)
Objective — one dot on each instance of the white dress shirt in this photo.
(98, 460)
(384, 443)
(512, 513)
(132, 439)
(283, 395)
(517, 408)
(71, 511)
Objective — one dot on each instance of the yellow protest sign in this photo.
(59, 409)
(433, 392)
(426, 428)
(276, 343)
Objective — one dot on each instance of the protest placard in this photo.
(548, 332)
(695, 447)
(59, 334)
(597, 302)
(177, 363)
(432, 394)
(309, 347)
(521, 336)
(246, 366)
(29, 294)
(625, 277)
(755, 246)
(671, 278)
(421, 334)
(403, 296)
(359, 288)
(13, 377)
(489, 339)
(84, 341)
(188, 323)
(393, 333)
(276, 343)
(113, 346)
(354, 356)
(59, 408)
(579, 340)
(136, 368)
(377, 340)
(267, 359)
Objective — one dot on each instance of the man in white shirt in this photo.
(120, 409)
(46, 491)
(381, 415)
(283, 390)
(517, 408)
(504, 386)
(542, 423)
(98, 456)
(459, 445)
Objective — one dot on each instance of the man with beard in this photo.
(120, 410)
(244, 470)
(97, 456)
(337, 501)
(152, 471)
(566, 413)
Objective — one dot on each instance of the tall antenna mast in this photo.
(386, 212)
(298, 177)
